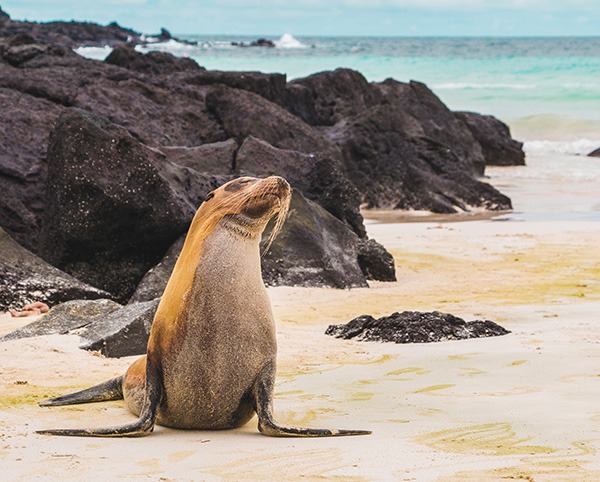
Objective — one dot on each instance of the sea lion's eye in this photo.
(209, 196)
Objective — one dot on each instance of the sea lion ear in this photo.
(209, 196)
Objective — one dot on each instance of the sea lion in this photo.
(210, 362)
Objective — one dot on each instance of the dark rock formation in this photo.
(242, 113)
(214, 158)
(414, 327)
(123, 332)
(595, 153)
(164, 35)
(375, 262)
(313, 249)
(150, 63)
(110, 215)
(261, 42)
(318, 176)
(71, 34)
(499, 148)
(3, 16)
(75, 34)
(339, 139)
(395, 169)
(25, 278)
(326, 98)
(35, 93)
(66, 318)
(270, 86)
(155, 280)
(103, 325)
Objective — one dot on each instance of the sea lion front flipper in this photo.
(142, 426)
(263, 393)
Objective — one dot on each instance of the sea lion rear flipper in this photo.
(263, 393)
(142, 426)
(109, 390)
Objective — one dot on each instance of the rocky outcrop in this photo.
(214, 158)
(179, 131)
(33, 95)
(71, 34)
(272, 87)
(313, 249)
(155, 280)
(414, 327)
(375, 261)
(393, 168)
(110, 215)
(123, 332)
(74, 34)
(150, 63)
(68, 317)
(493, 135)
(326, 98)
(103, 326)
(26, 278)
(320, 177)
(242, 113)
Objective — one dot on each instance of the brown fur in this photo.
(214, 305)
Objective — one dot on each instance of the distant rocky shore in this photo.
(103, 164)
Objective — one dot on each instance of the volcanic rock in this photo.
(318, 176)
(151, 63)
(394, 167)
(110, 215)
(123, 332)
(375, 261)
(313, 249)
(155, 280)
(66, 318)
(26, 278)
(332, 96)
(499, 148)
(270, 86)
(103, 325)
(214, 158)
(243, 113)
(414, 327)
(70, 34)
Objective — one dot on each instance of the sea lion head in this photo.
(246, 204)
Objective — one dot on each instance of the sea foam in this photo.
(287, 41)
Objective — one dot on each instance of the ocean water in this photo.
(546, 89)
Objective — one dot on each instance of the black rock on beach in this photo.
(102, 164)
(414, 327)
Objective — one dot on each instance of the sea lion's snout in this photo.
(282, 185)
(269, 196)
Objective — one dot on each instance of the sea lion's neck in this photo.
(239, 226)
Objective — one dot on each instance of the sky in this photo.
(327, 17)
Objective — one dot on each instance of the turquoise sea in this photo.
(546, 89)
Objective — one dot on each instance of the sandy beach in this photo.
(522, 406)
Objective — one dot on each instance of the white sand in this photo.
(523, 406)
